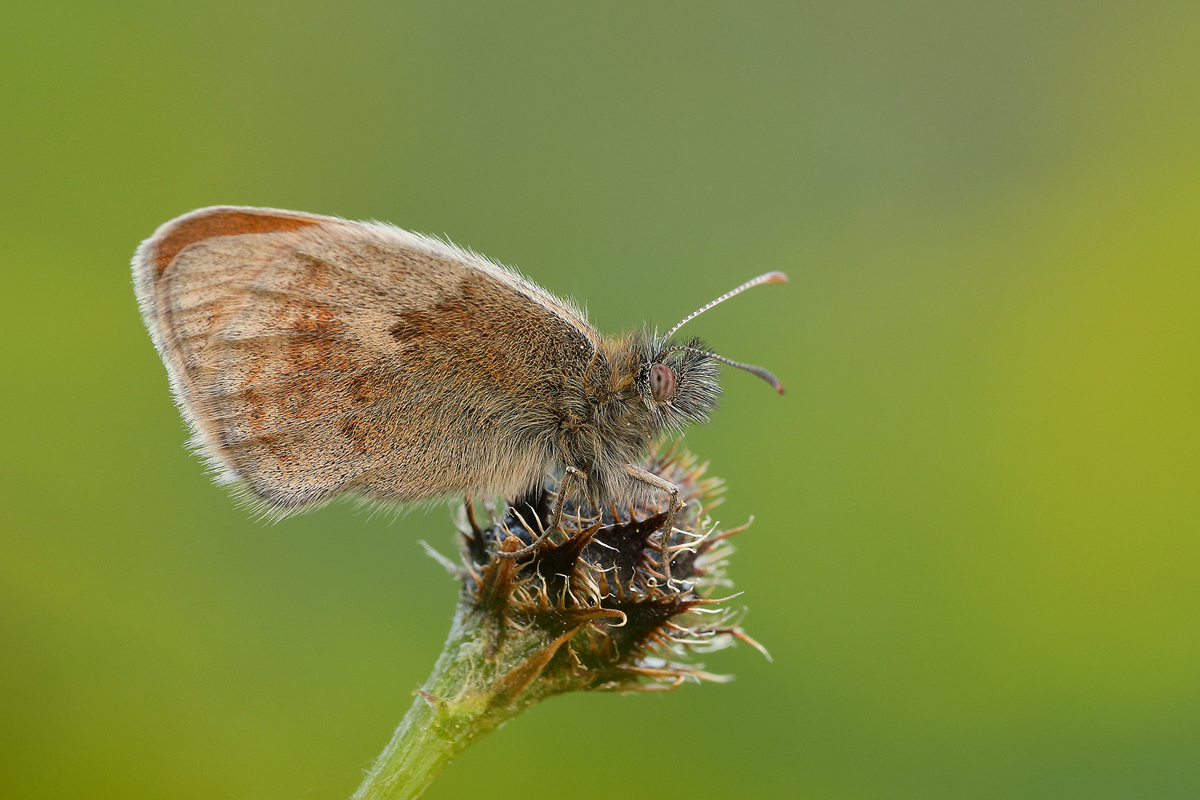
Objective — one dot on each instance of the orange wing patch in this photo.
(222, 222)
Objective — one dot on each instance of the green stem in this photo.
(468, 695)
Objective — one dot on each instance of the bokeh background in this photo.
(977, 540)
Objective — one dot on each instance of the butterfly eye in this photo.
(662, 382)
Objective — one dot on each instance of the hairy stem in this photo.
(469, 694)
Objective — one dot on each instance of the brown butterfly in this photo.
(315, 357)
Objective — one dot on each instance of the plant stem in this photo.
(463, 699)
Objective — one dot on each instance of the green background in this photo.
(977, 545)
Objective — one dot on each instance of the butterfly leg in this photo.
(569, 475)
(675, 505)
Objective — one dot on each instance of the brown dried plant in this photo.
(586, 605)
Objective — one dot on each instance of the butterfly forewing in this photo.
(303, 347)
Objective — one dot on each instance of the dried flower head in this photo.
(595, 590)
(587, 604)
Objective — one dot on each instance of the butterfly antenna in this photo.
(770, 277)
(753, 370)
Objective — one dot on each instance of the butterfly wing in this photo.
(315, 357)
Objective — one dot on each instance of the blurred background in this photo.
(977, 532)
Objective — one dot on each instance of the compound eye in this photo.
(662, 382)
